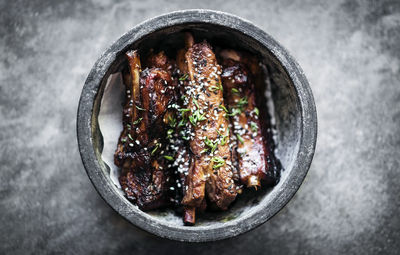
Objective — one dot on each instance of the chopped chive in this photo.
(257, 112)
(182, 133)
(184, 77)
(235, 90)
(212, 144)
(192, 120)
(195, 102)
(242, 102)
(220, 86)
(155, 149)
(218, 165)
(171, 121)
(184, 110)
(168, 157)
(137, 121)
(223, 108)
(128, 126)
(203, 151)
(213, 88)
(234, 112)
(169, 133)
(139, 108)
(254, 127)
(182, 123)
(220, 162)
(201, 117)
(130, 137)
(123, 139)
(240, 138)
(224, 140)
(196, 117)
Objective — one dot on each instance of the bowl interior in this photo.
(286, 112)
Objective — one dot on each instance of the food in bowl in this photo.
(196, 131)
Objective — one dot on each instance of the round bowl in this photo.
(294, 113)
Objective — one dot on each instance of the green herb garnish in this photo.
(137, 121)
(171, 121)
(240, 138)
(184, 110)
(196, 117)
(139, 108)
(192, 120)
(219, 162)
(224, 140)
(213, 88)
(169, 133)
(195, 102)
(223, 108)
(254, 127)
(169, 158)
(257, 112)
(203, 151)
(155, 149)
(182, 133)
(235, 91)
(130, 137)
(242, 102)
(235, 111)
(212, 144)
(182, 122)
(184, 77)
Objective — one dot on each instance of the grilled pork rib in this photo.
(212, 167)
(184, 158)
(256, 161)
(145, 178)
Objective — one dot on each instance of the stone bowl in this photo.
(294, 113)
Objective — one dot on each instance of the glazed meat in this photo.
(183, 158)
(256, 161)
(211, 171)
(160, 60)
(124, 155)
(145, 178)
(240, 98)
(194, 133)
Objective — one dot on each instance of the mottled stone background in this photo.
(349, 202)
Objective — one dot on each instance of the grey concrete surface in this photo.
(349, 202)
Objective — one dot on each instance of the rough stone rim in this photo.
(279, 198)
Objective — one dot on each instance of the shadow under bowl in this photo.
(294, 114)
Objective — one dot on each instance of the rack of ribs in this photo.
(192, 133)
(256, 161)
(145, 178)
(210, 171)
